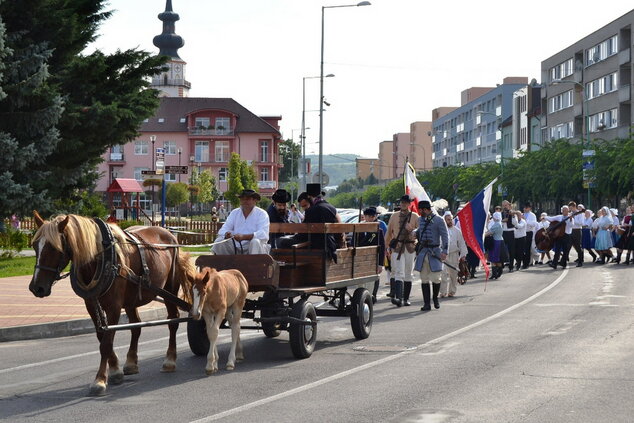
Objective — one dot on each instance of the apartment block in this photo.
(420, 147)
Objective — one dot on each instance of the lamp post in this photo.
(180, 151)
(586, 123)
(153, 140)
(321, 87)
(303, 134)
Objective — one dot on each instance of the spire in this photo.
(168, 42)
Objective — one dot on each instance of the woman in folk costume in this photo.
(603, 243)
(587, 238)
(625, 241)
(498, 252)
(616, 235)
(543, 224)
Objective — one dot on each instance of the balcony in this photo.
(267, 184)
(116, 158)
(166, 81)
(624, 57)
(625, 93)
(210, 131)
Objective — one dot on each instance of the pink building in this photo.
(200, 132)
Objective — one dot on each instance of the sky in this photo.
(394, 61)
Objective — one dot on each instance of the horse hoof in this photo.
(239, 359)
(97, 389)
(130, 369)
(116, 378)
(168, 368)
(209, 372)
(230, 366)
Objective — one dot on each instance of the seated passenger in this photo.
(278, 212)
(247, 226)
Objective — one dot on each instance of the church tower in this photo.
(171, 82)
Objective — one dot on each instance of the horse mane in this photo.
(82, 236)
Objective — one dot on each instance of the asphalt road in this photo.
(537, 346)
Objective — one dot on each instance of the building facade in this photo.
(420, 147)
(386, 161)
(470, 134)
(367, 167)
(588, 85)
(195, 132)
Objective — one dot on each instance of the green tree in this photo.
(248, 176)
(291, 154)
(393, 191)
(371, 180)
(235, 186)
(372, 196)
(177, 194)
(30, 110)
(102, 98)
(208, 189)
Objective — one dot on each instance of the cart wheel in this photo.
(197, 337)
(270, 329)
(362, 313)
(303, 337)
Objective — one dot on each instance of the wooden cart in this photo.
(286, 279)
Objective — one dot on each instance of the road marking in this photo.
(72, 357)
(378, 362)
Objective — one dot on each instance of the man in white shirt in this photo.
(508, 225)
(456, 251)
(531, 229)
(562, 245)
(577, 224)
(247, 226)
(520, 238)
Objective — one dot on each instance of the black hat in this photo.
(424, 204)
(528, 204)
(406, 198)
(370, 211)
(314, 190)
(249, 193)
(281, 196)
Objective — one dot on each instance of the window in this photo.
(602, 51)
(222, 126)
(264, 152)
(223, 174)
(264, 174)
(137, 173)
(600, 86)
(562, 70)
(201, 151)
(170, 148)
(170, 177)
(222, 151)
(560, 102)
(604, 120)
(140, 148)
(116, 153)
(564, 130)
(202, 122)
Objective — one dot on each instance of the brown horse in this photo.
(77, 239)
(217, 296)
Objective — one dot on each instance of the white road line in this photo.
(72, 357)
(366, 366)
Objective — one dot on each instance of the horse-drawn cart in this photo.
(284, 281)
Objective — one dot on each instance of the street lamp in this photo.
(153, 140)
(586, 122)
(321, 87)
(303, 134)
(180, 151)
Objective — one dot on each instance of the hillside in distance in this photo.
(337, 166)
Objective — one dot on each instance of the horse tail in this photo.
(185, 273)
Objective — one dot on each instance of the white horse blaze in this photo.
(40, 247)
(196, 303)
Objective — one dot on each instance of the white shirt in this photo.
(256, 223)
(559, 218)
(456, 242)
(587, 222)
(578, 221)
(505, 227)
(520, 228)
(295, 216)
(531, 222)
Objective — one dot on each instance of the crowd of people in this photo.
(434, 245)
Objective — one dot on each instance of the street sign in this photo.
(588, 153)
(589, 165)
(148, 172)
(326, 179)
(160, 153)
(176, 169)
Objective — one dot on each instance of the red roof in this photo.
(125, 185)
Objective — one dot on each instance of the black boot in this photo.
(436, 287)
(398, 293)
(375, 290)
(426, 297)
(391, 293)
(618, 257)
(407, 289)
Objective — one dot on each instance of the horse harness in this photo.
(109, 269)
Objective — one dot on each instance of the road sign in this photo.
(588, 153)
(176, 169)
(326, 179)
(148, 172)
(589, 165)
(160, 153)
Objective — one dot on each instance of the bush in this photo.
(124, 224)
(12, 242)
(264, 203)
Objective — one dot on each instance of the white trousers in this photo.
(450, 276)
(254, 246)
(402, 269)
(426, 274)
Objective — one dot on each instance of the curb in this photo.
(68, 328)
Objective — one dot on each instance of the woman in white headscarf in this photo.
(497, 253)
(587, 240)
(604, 242)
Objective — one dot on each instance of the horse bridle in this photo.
(66, 254)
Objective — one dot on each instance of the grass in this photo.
(18, 266)
(196, 249)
